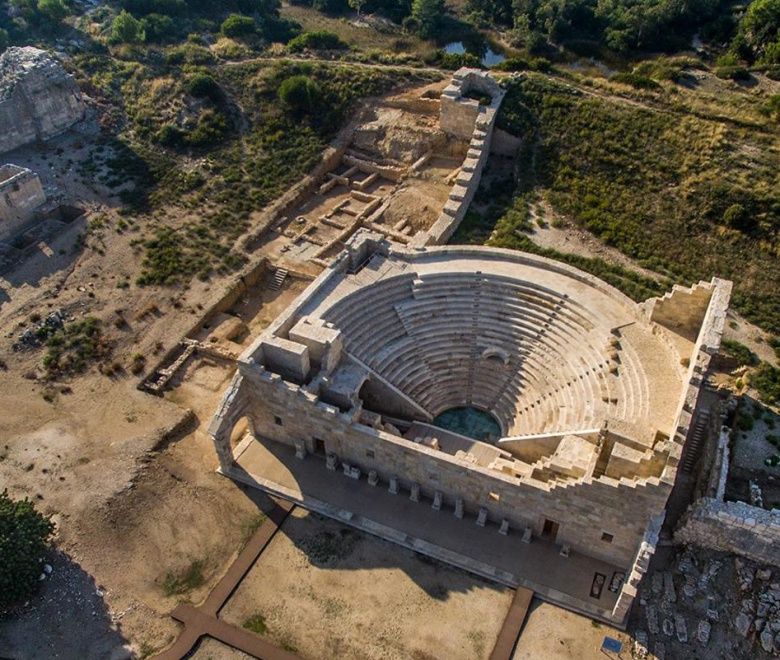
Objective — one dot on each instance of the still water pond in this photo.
(483, 51)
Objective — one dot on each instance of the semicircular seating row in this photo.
(427, 335)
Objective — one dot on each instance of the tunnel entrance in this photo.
(471, 422)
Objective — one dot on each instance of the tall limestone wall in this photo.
(38, 98)
(584, 511)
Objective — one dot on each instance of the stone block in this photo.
(393, 487)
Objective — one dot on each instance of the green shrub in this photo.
(170, 136)
(189, 53)
(766, 381)
(319, 40)
(126, 29)
(192, 577)
(53, 10)
(72, 348)
(159, 28)
(635, 80)
(203, 85)
(212, 128)
(512, 64)
(453, 61)
(256, 623)
(733, 73)
(146, 7)
(301, 94)
(741, 353)
(24, 537)
(238, 25)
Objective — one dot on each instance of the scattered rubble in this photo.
(736, 615)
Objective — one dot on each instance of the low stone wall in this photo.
(224, 299)
(464, 118)
(733, 527)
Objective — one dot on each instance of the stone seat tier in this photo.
(427, 336)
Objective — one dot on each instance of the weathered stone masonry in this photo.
(274, 372)
(38, 98)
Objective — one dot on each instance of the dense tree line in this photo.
(620, 25)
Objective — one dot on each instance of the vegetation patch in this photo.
(182, 582)
(766, 380)
(72, 348)
(256, 623)
(684, 195)
(326, 548)
(741, 353)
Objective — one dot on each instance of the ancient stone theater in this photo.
(504, 389)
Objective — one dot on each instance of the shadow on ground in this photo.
(68, 618)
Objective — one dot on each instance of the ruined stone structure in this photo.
(465, 115)
(38, 98)
(21, 194)
(595, 395)
(734, 527)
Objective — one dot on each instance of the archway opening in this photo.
(471, 422)
(240, 429)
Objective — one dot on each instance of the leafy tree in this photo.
(3, 40)
(52, 10)
(24, 536)
(759, 28)
(126, 29)
(428, 15)
(238, 25)
(300, 93)
(159, 28)
(357, 5)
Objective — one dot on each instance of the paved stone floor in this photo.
(506, 559)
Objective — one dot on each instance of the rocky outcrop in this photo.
(38, 98)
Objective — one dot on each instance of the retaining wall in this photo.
(733, 527)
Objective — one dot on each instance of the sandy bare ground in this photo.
(327, 591)
(555, 634)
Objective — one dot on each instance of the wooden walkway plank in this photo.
(513, 623)
(247, 557)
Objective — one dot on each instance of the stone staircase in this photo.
(278, 279)
(695, 443)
